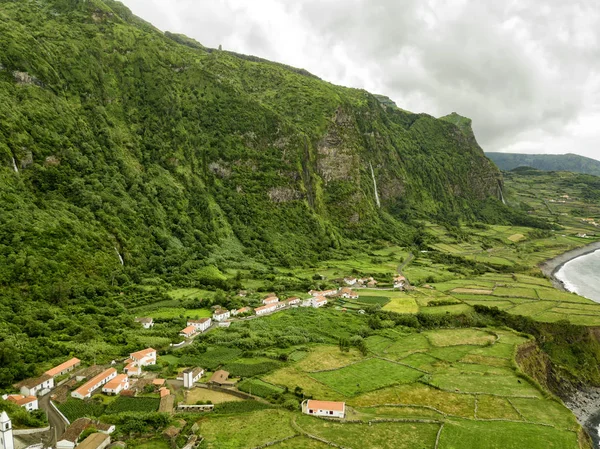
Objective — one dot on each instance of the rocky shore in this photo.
(550, 267)
(585, 405)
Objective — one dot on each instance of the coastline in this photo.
(550, 267)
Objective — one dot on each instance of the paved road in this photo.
(57, 424)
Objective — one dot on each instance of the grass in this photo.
(328, 357)
(154, 443)
(504, 435)
(258, 387)
(292, 378)
(176, 312)
(203, 394)
(455, 337)
(247, 430)
(380, 436)
(366, 376)
(464, 382)
(402, 305)
(138, 404)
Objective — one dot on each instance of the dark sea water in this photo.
(582, 276)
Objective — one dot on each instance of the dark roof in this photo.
(33, 382)
(144, 320)
(219, 376)
(75, 429)
(93, 441)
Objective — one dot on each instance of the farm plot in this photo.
(204, 395)
(127, 404)
(259, 388)
(504, 435)
(402, 305)
(504, 385)
(456, 337)
(328, 357)
(367, 376)
(77, 408)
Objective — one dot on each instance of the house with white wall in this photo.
(86, 390)
(201, 325)
(146, 322)
(263, 310)
(191, 376)
(36, 386)
(29, 403)
(221, 315)
(327, 409)
(118, 384)
(144, 357)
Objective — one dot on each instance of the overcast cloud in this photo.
(527, 72)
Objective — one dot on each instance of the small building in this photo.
(36, 386)
(201, 325)
(64, 368)
(158, 382)
(144, 357)
(164, 391)
(85, 391)
(224, 323)
(348, 293)
(118, 384)
(132, 369)
(263, 310)
(293, 301)
(69, 438)
(146, 322)
(350, 281)
(319, 302)
(316, 293)
(188, 332)
(280, 305)
(399, 282)
(372, 283)
(221, 315)
(221, 378)
(191, 376)
(328, 409)
(243, 310)
(272, 299)
(95, 441)
(6, 432)
(29, 403)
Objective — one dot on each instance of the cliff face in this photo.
(127, 142)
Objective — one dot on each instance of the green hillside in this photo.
(120, 141)
(546, 162)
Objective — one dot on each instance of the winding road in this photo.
(57, 423)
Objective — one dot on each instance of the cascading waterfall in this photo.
(120, 257)
(502, 196)
(375, 185)
(15, 165)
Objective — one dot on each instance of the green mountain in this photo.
(547, 162)
(127, 154)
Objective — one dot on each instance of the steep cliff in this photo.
(127, 153)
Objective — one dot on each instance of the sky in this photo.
(526, 72)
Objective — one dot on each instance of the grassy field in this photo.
(202, 394)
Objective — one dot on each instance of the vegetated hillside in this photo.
(547, 162)
(119, 141)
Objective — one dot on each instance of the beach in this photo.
(550, 267)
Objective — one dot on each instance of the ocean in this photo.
(582, 276)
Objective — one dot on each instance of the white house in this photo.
(324, 408)
(280, 305)
(315, 293)
(399, 281)
(191, 376)
(6, 432)
(39, 385)
(350, 281)
(132, 369)
(188, 331)
(29, 403)
(263, 310)
(270, 300)
(144, 357)
(85, 391)
(243, 310)
(319, 302)
(118, 384)
(201, 325)
(146, 322)
(221, 315)
(294, 301)
(348, 293)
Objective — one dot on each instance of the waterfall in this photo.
(120, 257)
(15, 165)
(502, 196)
(375, 185)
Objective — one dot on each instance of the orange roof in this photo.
(19, 399)
(189, 330)
(114, 384)
(164, 391)
(158, 382)
(320, 299)
(86, 387)
(325, 405)
(63, 366)
(261, 308)
(132, 367)
(143, 353)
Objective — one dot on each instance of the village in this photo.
(133, 377)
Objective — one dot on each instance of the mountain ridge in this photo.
(546, 162)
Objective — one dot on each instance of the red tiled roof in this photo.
(85, 388)
(63, 366)
(114, 384)
(325, 405)
(143, 353)
(267, 307)
(21, 400)
(189, 330)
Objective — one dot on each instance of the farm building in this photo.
(324, 408)
(132, 369)
(221, 314)
(188, 332)
(69, 439)
(85, 391)
(29, 403)
(318, 302)
(243, 310)
(399, 281)
(64, 368)
(316, 293)
(191, 376)
(263, 310)
(294, 301)
(221, 378)
(95, 441)
(144, 357)
(146, 322)
(35, 386)
(118, 384)
(350, 281)
(201, 325)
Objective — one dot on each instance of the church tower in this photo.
(6, 433)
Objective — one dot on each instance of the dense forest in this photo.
(132, 157)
